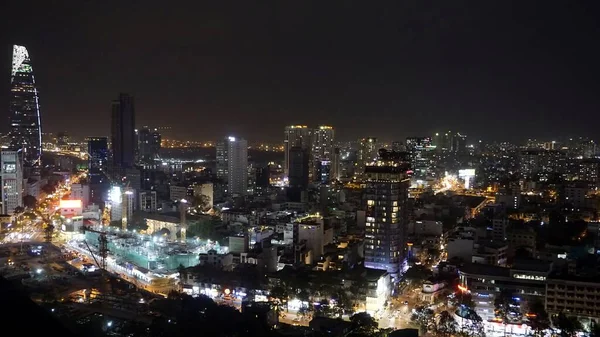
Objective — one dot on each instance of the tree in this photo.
(19, 210)
(29, 201)
(507, 308)
(279, 293)
(363, 323)
(343, 302)
(424, 318)
(182, 272)
(49, 189)
(48, 231)
(538, 318)
(446, 325)
(433, 253)
(417, 274)
(594, 329)
(568, 325)
(202, 202)
(472, 326)
(463, 298)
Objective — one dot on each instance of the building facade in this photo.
(386, 197)
(148, 145)
(12, 180)
(237, 158)
(367, 152)
(26, 128)
(123, 132)
(97, 157)
(295, 136)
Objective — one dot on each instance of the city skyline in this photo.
(410, 72)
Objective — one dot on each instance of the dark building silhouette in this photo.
(149, 145)
(263, 177)
(298, 173)
(123, 132)
(98, 156)
(324, 172)
(298, 167)
(21, 306)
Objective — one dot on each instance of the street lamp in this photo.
(182, 210)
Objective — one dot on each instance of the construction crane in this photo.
(102, 247)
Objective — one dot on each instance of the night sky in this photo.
(498, 70)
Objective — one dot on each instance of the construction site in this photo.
(151, 262)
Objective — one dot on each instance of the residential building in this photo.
(12, 180)
(148, 201)
(386, 197)
(148, 145)
(97, 150)
(237, 175)
(81, 192)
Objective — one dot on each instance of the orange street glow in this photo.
(70, 204)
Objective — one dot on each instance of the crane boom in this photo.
(92, 253)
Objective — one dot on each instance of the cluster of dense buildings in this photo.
(351, 216)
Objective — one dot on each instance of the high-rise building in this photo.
(148, 145)
(122, 201)
(12, 180)
(98, 157)
(263, 175)
(81, 192)
(222, 159)
(336, 169)
(295, 136)
(298, 167)
(386, 197)
(123, 132)
(62, 140)
(237, 170)
(148, 201)
(322, 146)
(367, 152)
(26, 128)
(420, 150)
(324, 172)
(460, 143)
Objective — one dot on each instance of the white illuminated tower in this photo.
(12, 180)
(237, 160)
(322, 150)
(26, 128)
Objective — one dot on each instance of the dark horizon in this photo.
(501, 70)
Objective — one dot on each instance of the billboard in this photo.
(466, 173)
(70, 204)
(115, 195)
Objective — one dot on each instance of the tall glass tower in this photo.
(26, 129)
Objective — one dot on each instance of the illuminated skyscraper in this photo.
(367, 152)
(237, 170)
(386, 195)
(26, 129)
(322, 149)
